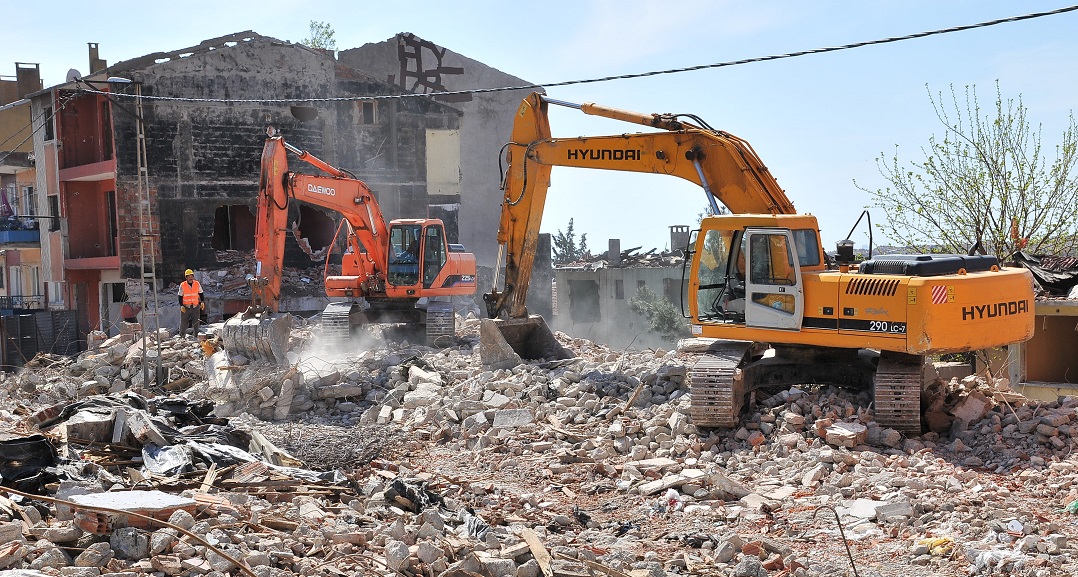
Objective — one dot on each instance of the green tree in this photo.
(321, 36)
(708, 212)
(987, 179)
(663, 316)
(566, 249)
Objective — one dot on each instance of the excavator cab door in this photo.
(435, 253)
(774, 292)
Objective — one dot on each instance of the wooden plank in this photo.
(539, 552)
(207, 481)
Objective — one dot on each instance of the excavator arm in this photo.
(725, 166)
(340, 193)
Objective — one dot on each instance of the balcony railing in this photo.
(13, 230)
(31, 302)
(14, 236)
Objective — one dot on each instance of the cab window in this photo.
(771, 261)
(807, 243)
(712, 271)
(404, 255)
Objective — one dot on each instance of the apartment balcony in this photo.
(13, 236)
(14, 230)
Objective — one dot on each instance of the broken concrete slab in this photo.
(903, 509)
(513, 418)
(973, 407)
(156, 504)
(862, 508)
(845, 434)
(95, 426)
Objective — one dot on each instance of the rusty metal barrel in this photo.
(262, 336)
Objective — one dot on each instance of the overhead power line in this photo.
(60, 106)
(618, 77)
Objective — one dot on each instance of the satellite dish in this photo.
(73, 75)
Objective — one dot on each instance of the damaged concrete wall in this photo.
(205, 155)
(1051, 356)
(421, 66)
(599, 311)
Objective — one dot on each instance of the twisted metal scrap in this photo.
(841, 532)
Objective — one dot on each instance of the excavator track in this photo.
(717, 385)
(337, 321)
(441, 324)
(897, 391)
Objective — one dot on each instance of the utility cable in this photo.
(937, 32)
(589, 80)
(62, 103)
(14, 134)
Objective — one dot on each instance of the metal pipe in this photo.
(564, 103)
(498, 266)
(704, 184)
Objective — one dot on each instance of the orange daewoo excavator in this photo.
(758, 279)
(405, 272)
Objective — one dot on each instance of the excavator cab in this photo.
(750, 275)
(418, 253)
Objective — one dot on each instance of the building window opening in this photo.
(584, 301)
(233, 228)
(367, 113)
(47, 119)
(316, 227)
(29, 203)
(110, 206)
(54, 212)
(619, 289)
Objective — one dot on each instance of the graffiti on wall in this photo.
(422, 70)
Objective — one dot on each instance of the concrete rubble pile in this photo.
(412, 461)
(229, 282)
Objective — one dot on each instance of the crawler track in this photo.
(441, 324)
(716, 385)
(897, 392)
(337, 322)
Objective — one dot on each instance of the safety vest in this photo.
(190, 292)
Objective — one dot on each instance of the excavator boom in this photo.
(348, 196)
(725, 166)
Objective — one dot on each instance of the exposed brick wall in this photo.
(129, 226)
(202, 156)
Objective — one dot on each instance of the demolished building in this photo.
(594, 296)
(204, 111)
(202, 159)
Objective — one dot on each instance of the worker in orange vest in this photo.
(192, 303)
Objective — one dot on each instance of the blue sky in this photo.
(818, 122)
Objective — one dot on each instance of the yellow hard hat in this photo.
(188, 271)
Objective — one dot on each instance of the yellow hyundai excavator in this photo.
(758, 279)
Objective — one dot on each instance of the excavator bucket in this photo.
(507, 343)
(258, 336)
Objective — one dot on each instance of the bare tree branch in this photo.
(987, 178)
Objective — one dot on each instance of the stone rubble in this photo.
(546, 469)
